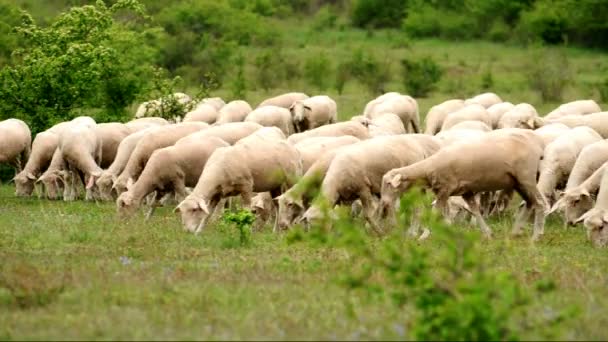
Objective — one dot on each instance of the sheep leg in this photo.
(474, 206)
(152, 206)
(367, 200)
(522, 216)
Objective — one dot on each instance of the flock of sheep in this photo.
(473, 154)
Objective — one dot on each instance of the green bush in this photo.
(603, 89)
(325, 18)
(547, 22)
(239, 83)
(317, 71)
(499, 32)
(266, 69)
(368, 70)
(378, 13)
(424, 22)
(549, 74)
(420, 76)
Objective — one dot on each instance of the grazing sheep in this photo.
(216, 102)
(264, 134)
(551, 132)
(371, 104)
(580, 107)
(273, 116)
(559, 158)
(473, 112)
(230, 132)
(437, 114)
(597, 121)
(596, 219)
(313, 112)
(154, 107)
(43, 147)
(496, 111)
(403, 106)
(462, 169)
(111, 134)
(353, 128)
(15, 141)
(471, 125)
(314, 148)
(578, 200)
(137, 125)
(203, 113)
(356, 172)
(153, 140)
(452, 136)
(52, 178)
(240, 170)
(384, 124)
(233, 111)
(486, 99)
(522, 115)
(283, 100)
(263, 207)
(169, 169)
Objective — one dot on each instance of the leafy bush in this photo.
(368, 70)
(546, 22)
(317, 70)
(378, 13)
(266, 70)
(603, 89)
(549, 73)
(499, 31)
(239, 83)
(325, 18)
(420, 76)
(424, 22)
(242, 220)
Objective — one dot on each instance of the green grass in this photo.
(73, 270)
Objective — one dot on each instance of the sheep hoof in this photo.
(425, 235)
(536, 237)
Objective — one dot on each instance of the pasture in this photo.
(74, 271)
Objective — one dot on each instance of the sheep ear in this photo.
(307, 107)
(91, 182)
(203, 205)
(30, 176)
(396, 180)
(582, 218)
(585, 192)
(177, 209)
(538, 122)
(556, 206)
(531, 123)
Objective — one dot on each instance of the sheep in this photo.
(438, 113)
(356, 172)
(559, 158)
(371, 104)
(474, 112)
(471, 125)
(163, 137)
(403, 106)
(486, 99)
(313, 112)
(204, 113)
(578, 200)
(312, 149)
(551, 132)
(283, 100)
(51, 178)
(264, 133)
(496, 111)
(462, 170)
(108, 176)
(154, 107)
(522, 115)
(80, 120)
(580, 107)
(270, 116)
(597, 121)
(452, 136)
(384, 124)
(43, 147)
(111, 134)
(353, 128)
(15, 141)
(233, 111)
(240, 170)
(230, 132)
(137, 125)
(595, 219)
(216, 102)
(262, 206)
(169, 169)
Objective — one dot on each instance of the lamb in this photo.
(559, 158)
(229, 132)
(371, 104)
(163, 137)
(403, 106)
(580, 107)
(273, 116)
(437, 114)
(312, 149)
(578, 200)
(461, 170)
(474, 112)
(551, 132)
(595, 219)
(137, 125)
(283, 100)
(496, 111)
(233, 111)
(471, 125)
(15, 141)
(108, 177)
(169, 169)
(240, 170)
(263, 134)
(43, 147)
(353, 128)
(204, 113)
(522, 115)
(486, 99)
(597, 121)
(313, 112)
(356, 172)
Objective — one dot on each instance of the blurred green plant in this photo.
(243, 221)
(420, 76)
(549, 73)
(317, 70)
(239, 83)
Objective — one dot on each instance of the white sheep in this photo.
(169, 169)
(15, 143)
(230, 132)
(314, 148)
(272, 116)
(353, 128)
(559, 158)
(52, 178)
(313, 112)
(240, 170)
(473, 112)
(154, 107)
(597, 121)
(470, 125)
(137, 125)
(371, 104)
(43, 147)
(580, 107)
(283, 100)
(385, 124)
(522, 115)
(437, 114)
(111, 134)
(233, 111)
(263, 134)
(496, 161)
(404, 106)
(596, 219)
(551, 132)
(204, 113)
(496, 111)
(486, 99)
(216, 102)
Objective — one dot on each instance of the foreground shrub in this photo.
(420, 76)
